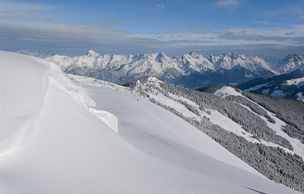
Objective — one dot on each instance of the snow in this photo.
(108, 118)
(297, 82)
(184, 100)
(176, 103)
(137, 113)
(230, 60)
(227, 91)
(277, 127)
(228, 124)
(165, 101)
(129, 67)
(63, 148)
(292, 63)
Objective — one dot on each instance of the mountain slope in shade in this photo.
(56, 143)
(180, 70)
(289, 85)
(292, 63)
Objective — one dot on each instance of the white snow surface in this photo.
(51, 143)
(299, 82)
(108, 118)
(227, 91)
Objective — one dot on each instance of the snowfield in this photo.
(59, 138)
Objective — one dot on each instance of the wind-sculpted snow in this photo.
(108, 118)
(22, 91)
(67, 149)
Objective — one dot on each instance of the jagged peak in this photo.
(92, 53)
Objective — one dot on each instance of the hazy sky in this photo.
(73, 26)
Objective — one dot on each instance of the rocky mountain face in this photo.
(292, 63)
(266, 133)
(190, 70)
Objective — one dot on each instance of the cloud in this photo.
(227, 3)
(12, 11)
(55, 37)
(289, 36)
(32, 22)
(21, 30)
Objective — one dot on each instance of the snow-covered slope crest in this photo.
(56, 75)
(23, 96)
(64, 148)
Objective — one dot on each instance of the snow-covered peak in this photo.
(231, 60)
(92, 53)
(292, 63)
(196, 62)
(125, 68)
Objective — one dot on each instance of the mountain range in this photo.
(289, 84)
(190, 70)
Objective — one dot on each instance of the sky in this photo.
(174, 26)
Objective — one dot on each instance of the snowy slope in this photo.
(156, 93)
(277, 125)
(136, 112)
(242, 126)
(60, 146)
